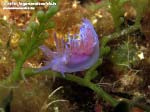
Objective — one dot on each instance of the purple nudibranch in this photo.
(79, 53)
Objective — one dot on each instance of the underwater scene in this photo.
(74, 56)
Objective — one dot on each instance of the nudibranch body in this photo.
(77, 54)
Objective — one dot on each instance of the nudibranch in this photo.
(79, 53)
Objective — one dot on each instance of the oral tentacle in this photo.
(47, 51)
(44, 68)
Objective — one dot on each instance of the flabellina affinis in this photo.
(79, 53)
